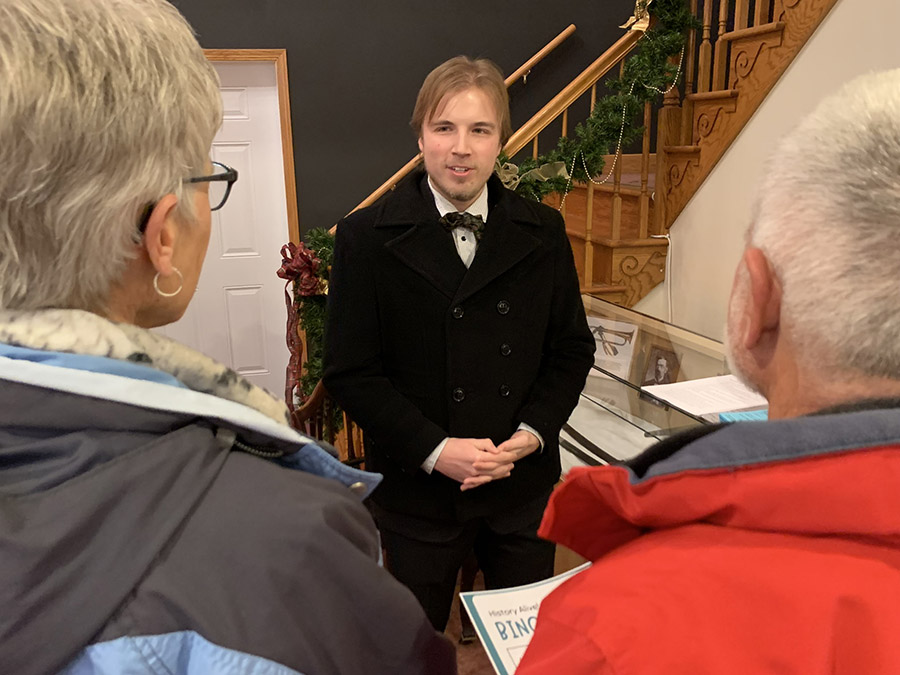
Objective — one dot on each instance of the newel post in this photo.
(668, 133)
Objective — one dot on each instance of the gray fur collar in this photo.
(75, 331)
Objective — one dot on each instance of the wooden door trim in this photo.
(279, 58)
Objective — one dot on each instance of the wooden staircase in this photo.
(617, 229)
(604, 227)
(759, 55)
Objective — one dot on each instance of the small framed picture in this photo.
(662, 367)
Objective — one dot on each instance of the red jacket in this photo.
(758, 548)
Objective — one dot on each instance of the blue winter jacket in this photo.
(148, 528)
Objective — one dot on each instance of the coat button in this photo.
(458, 312)
(459, 395)
(505, 350)
(504, 390)
(503, 307)
(358, 488)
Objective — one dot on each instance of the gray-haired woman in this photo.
(157, 514)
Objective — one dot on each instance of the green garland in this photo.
(308, 266)
(647, 72)
(311, 311)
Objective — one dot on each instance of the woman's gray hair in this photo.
(829, 220)
(105, 107)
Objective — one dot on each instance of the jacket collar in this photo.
(87, 378)
(425, 247)
(751, 443)
(812, 476)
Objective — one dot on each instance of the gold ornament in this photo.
(641, 18)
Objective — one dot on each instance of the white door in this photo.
(238, 315)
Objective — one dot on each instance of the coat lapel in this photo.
(423, 246)
(506, 242)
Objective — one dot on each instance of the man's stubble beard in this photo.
(465, 196)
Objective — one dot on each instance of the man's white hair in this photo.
(828, 218)
(105, 107)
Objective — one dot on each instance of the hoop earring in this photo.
(173, 293)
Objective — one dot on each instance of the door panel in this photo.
(237, 315)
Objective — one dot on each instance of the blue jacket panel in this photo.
(184, 653)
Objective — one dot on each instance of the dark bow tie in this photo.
(467, 221)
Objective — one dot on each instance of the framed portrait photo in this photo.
(662, 367)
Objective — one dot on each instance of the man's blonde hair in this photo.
(459, 74)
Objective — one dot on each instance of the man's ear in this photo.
(160, 235)
(421, 149)
(764, 302)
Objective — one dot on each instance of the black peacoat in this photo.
(419, 348)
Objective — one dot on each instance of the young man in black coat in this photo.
(456, 338)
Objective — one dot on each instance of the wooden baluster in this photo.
(345, 439)
(565, 131)
(616, 227)
(720, 60)
(741, 14)
(761, 13)
(562, 207)
(616, 213)
(534, 149)
(644, 219)
(589, 217)
(588, 236)
(690, 64)
(705, 55)
(690, 56)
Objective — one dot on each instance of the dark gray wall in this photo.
(355, 68)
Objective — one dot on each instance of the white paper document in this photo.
(505, 619)
(615, 345)
(708, 395)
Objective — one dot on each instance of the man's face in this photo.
(460, 145)
(662, 367)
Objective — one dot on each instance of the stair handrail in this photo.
(520, 74)
(571, 92)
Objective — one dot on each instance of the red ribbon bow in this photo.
(299, 265)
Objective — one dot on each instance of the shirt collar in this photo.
(478, 208)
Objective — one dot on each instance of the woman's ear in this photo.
(160, 235)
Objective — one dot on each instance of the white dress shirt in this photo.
(466, 246)
(465, 241)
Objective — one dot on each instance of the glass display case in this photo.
(616, 418)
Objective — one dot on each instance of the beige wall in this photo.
(858, 36)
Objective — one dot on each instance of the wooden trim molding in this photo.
(279, 58)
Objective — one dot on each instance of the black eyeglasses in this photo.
(219, 188)
(219, 184)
